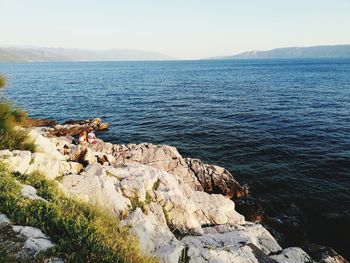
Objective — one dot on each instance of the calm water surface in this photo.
(282, 127)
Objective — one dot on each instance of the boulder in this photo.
(63, 144)
(154, 235)
(199, 176)
(324, 254)
(36, 241)
(187, 210)
(29, 191)
(21, 243)
(74, 127)
(215, 179)
(70, 168)
(234, 237)
(26, 162)
(44, 145)
(43, 163)
(193, 172)
(89, 157)
(105, 159)
(93, 185)
(4, 219)
(82, 154)
(18, 161)
(29, 122)
(292, 255)
(241, 243)
(102, 147)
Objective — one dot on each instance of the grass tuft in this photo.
(82, 232)
(12, 137)
(135, 203)
(3, 81)
(156, 185)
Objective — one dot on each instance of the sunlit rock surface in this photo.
(178, 208)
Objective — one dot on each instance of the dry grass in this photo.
(83, 233)
(11, 137)
(3, 81)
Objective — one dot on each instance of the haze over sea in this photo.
(280, 126)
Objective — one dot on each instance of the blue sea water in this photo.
(280, 126)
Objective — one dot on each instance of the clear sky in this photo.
(180, 28)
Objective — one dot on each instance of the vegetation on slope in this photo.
(83, 233)
(2, 81)
(12, 137)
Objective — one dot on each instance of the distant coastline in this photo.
(15, 54)
(318, 52)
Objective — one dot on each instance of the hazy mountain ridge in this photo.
(12, 54)
(29, 55)
(15, 54)
(334, 51)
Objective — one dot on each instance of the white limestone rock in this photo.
(136, 181)
(110, 158)
(63, 144)
(29, 191)
(231, 244)
(36, 241)
(89, 156)
(48, 166)
(26, 162)
(95, 169)
(101, 146)
(194, 173)
(18, 161)
(255, 233)
(4, 219)
(187, 209)
(292, 255)
(165, 158)
(82, 154)
(243, 254)
(154, 235)
(104, 158)
(70, 168)
(44, 145)
(95, 186)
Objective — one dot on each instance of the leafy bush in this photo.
(12, 137)
(3, 81)
(82, 232)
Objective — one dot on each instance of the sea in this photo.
(281, 127)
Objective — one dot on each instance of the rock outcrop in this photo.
(178, 208)
(324, 254)
(199, 176)
(292, 255)
(187, 210)
(76, 127)
(29, 122)
(22, 243)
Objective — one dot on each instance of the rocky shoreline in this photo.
(179, 208)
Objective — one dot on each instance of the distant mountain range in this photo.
(13, 54)
(335, 51)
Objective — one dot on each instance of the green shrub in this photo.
(19, 115)
(3, 81)
(12, 137)
(82, 232)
